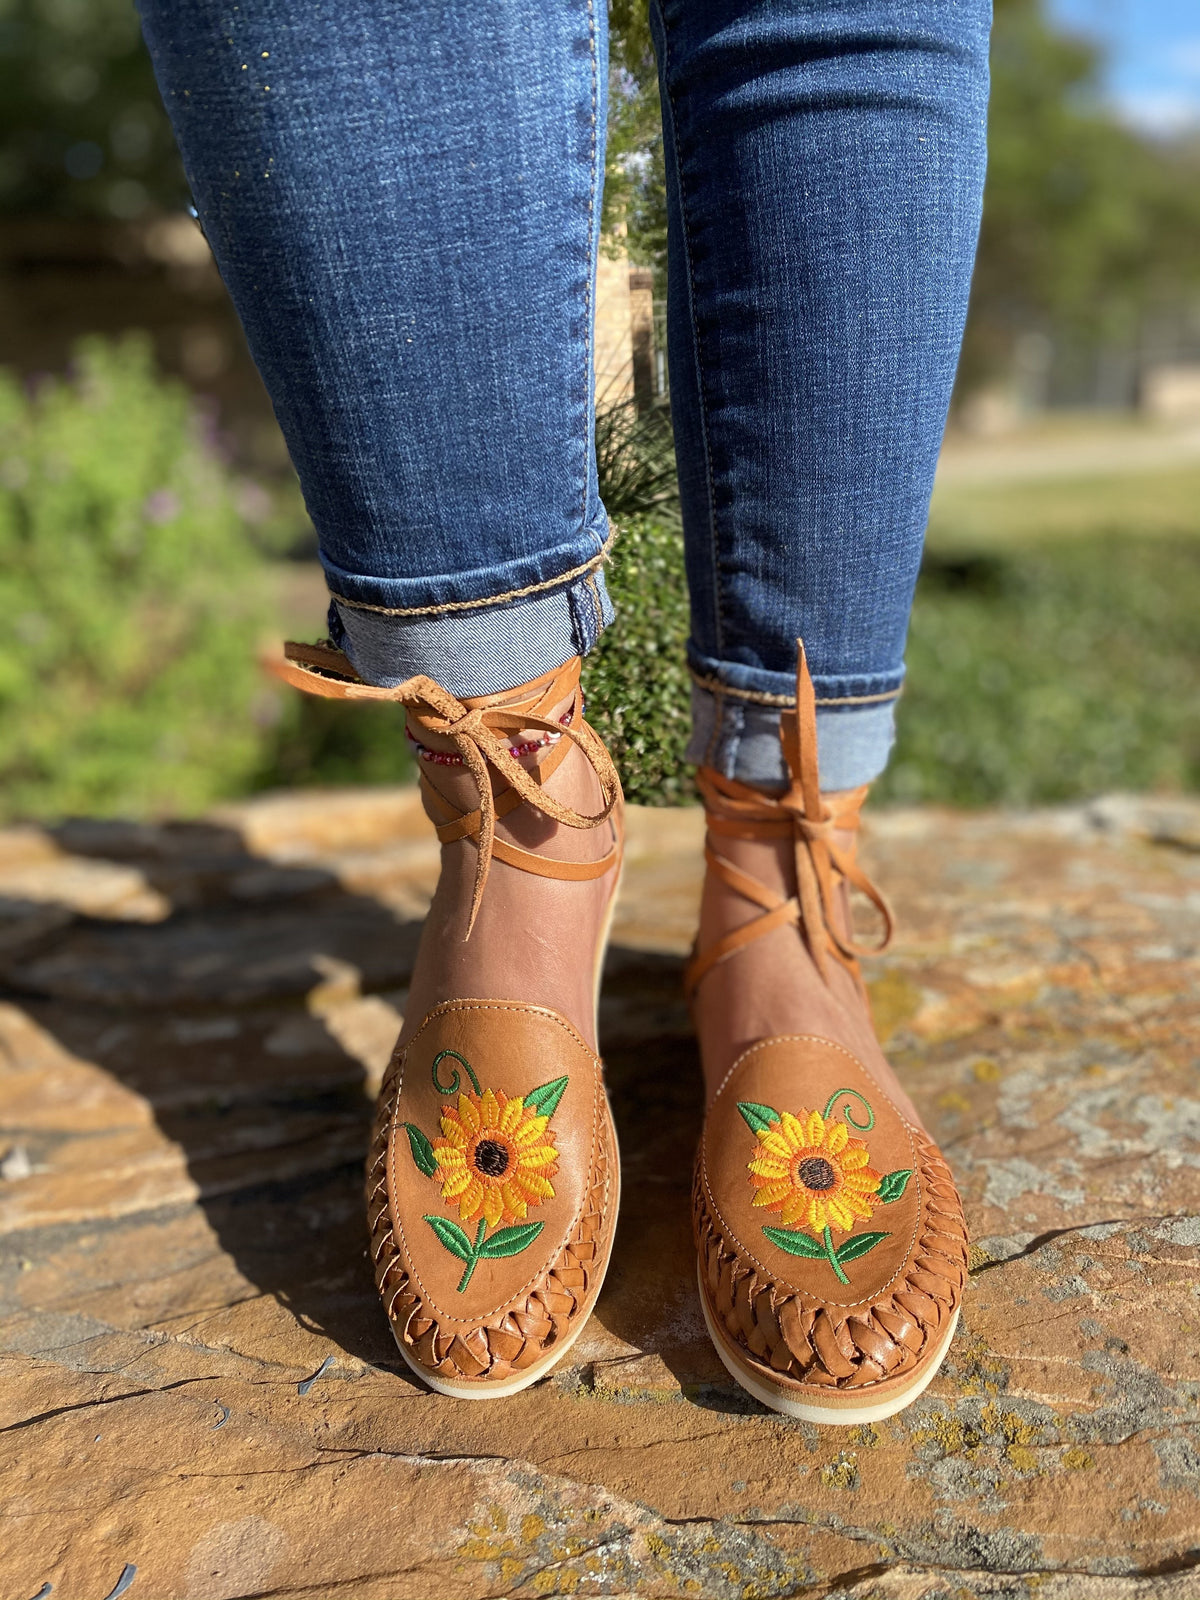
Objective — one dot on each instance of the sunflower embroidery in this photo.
(496, 1157)
(818, 1177)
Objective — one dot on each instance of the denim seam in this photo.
(582, 571)
(702, 396)
(783, 701)
(589, 293)
(718, 723)
(593, 591)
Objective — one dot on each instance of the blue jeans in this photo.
(403, 197)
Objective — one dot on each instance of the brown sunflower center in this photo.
(491, 1158)
(815, 1172)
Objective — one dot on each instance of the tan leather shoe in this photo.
(493, 1178)
(831, 1241)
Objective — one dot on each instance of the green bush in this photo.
(636, 679)
(128, 585)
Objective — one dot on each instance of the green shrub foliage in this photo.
(636, 679)
(127, 585)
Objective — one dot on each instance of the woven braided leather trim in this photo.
(518, 1335)
(798, 1339)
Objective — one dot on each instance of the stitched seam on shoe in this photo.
(397, 1223)
(589, 566)
(845, 1305)
(785, 702)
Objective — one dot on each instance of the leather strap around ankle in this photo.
(823, 870)
(478, 729)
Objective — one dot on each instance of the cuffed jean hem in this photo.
(465, 591)
(739, 735)
(480, 650)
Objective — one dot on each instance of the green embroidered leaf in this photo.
(510, 1241)
(796, 1244)
(545, 1098)
(757, 1117)
(893, 1186)
(422, 1150)
(452, 1236)
(858, 1245)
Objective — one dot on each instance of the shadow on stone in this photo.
(252, 1004)
(249, 1020)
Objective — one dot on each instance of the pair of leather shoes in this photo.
(831, 1246)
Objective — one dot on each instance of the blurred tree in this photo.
(635, 189)
(82, 131)
(1088, 227)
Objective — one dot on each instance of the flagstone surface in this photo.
(201, 1399)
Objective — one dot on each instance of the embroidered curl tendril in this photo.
(863, 1127)
(453, 1085)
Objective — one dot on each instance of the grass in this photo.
(1054, 652)
(1052, 671)
(1013, 516)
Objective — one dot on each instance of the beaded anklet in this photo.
(451, 758)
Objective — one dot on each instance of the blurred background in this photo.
(1055, 649)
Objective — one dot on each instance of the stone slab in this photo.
(200, 1397)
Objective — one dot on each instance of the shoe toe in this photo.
(831, 1240)
(491, 1194)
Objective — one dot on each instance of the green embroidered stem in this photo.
(863, 1127)
(452, 1087)
(474, 1256)
(830, 1252)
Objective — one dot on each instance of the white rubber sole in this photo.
(827, 1416)
(523, 1380)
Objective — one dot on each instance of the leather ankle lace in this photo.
(824, 869)
(480, 730)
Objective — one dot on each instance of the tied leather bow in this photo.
(479, 730)
(823, 867)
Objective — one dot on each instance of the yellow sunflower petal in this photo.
(468, 1114)
(448, 1156)
(773, 1140)
(530, 1130)
(860, 1206)
(840, 1214)
(816, 1213)
(493, 1204)
(855, 1155)
(814, 1130)
(453, 1130)
(835, 1138)
(470, 1200)
(863, 1179)
(794, 1132)
(489, 1111)
(542, 1155)
(771, 1194)
(769, 1165)
(514, 1202)
(534, 1184)
(454, 1183)
(510, 1117)
(795, 1209)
